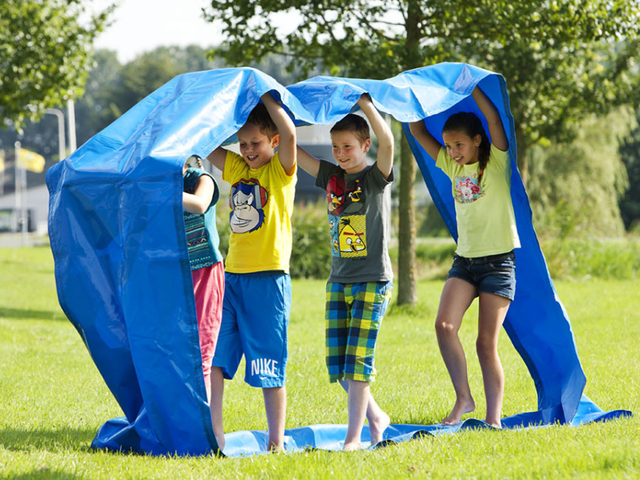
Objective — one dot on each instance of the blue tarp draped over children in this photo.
(121, 264)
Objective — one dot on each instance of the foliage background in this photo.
(45, 54)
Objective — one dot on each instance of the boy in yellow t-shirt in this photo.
(257, 299)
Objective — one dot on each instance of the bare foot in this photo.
(221, 443)
(274, 448)
(377, 426)
(351, 447)
(497, 424)
(459, 409)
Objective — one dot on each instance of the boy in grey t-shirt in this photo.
(360, 284)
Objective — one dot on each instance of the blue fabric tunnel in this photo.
(122, 271)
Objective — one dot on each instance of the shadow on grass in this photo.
(22, 314)
(416, 419)
(420, 310)
(59, 439)
(63, 438)
(45, 472)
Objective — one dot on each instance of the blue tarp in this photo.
(331, 437)
(121, 264)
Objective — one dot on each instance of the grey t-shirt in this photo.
(358, 212)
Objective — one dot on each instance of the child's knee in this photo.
(486, 347)
(445, 328)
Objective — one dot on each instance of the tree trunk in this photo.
(523, 164)
(407, 289)
(407, 292)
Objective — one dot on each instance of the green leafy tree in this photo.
(110, 90)
(552, 87)
(99, 105)
(630, 201)
(525, 41)
(152, 69)
(44, 54)
(575, 186)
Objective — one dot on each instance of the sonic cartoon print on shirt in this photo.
(347, 221)
(247, 201)
(467, 189)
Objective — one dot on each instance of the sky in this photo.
(142, 25)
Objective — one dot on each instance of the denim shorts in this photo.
(493, 274)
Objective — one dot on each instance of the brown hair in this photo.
(353, 123)
(260, 117)
(469, 124)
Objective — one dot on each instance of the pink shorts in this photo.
(208, 289)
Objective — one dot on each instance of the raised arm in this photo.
(496, 129)
(424, 138)
(308, 163)
(199, 201)
(286, 130)
(383, 134)
(217, 158)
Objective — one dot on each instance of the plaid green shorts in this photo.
(353, 315)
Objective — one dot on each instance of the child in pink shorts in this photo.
(200, 195)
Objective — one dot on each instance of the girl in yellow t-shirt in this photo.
(484, 263)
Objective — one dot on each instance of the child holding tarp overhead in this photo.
(257, 299)
(360, 284)
(484, 262)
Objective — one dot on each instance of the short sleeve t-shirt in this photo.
(358, 214)
(261, 202)
(484, 211)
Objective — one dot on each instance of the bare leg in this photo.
(215, 404)
(275, 404)
(493, 309)
(456, 297)
(377, 418)
(357, 403)
(207, 386)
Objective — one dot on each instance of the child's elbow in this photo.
(201, 209)
(198, 208)
(415, 127)
(288, 134)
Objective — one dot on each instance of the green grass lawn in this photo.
(52, 399)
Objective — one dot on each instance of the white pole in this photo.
(71, 118)
(62, 147)
(20, 182)
(25, 202)
(4, 163)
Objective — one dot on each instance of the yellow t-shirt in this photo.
(261, 202)
(486, 221)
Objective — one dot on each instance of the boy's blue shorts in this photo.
(255, 319)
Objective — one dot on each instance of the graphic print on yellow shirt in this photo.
(247, 201)
(467, 189)
(261, 203)
(348, 232)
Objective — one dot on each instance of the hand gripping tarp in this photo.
(122, 273)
